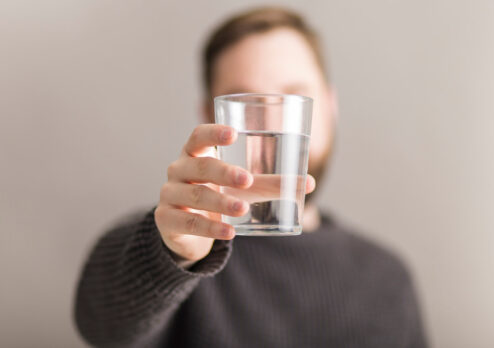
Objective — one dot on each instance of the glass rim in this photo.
(244, 98)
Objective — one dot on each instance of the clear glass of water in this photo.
(273, 145)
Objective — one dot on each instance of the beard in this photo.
(318, 170)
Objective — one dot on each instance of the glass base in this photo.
(267, 230)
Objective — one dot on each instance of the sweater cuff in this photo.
(149, 239)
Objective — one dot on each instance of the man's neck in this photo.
(312, 218)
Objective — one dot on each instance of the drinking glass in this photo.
(273, 145)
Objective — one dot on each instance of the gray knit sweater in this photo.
(327, 288)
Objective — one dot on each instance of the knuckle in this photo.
(159, 213)
(192, 223)
(172, 170)
(197, 194)
(195, 135)
(164, 192)
(202, 166)
(210, 227)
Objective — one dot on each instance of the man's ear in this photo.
(206, 113)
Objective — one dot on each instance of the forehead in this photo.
(276, 61)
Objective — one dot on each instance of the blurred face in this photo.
(280, 61)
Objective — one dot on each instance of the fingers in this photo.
(268, 187)
(183, 222)
(203, 198)
(208, 170)
(207, 135)
(310, 184)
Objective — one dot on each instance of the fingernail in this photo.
(226, 134)
(241, 178)
(225, 231)
(238, 206)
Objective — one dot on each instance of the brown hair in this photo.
(255, 21)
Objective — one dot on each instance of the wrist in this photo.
(181, 261)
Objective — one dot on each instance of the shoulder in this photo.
(122, 229)
(375, 276)
(369, 260)
(377, 280)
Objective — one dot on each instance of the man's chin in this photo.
(318, 172)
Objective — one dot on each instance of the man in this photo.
(176, 277)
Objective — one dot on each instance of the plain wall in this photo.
(97, 98)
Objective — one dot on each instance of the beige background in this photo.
(97, 97)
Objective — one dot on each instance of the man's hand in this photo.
(188, 233)
(189, 212)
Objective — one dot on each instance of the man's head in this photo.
(272, 50)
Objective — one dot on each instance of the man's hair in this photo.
(255, 21)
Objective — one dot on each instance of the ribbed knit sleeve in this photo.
(131, 286)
